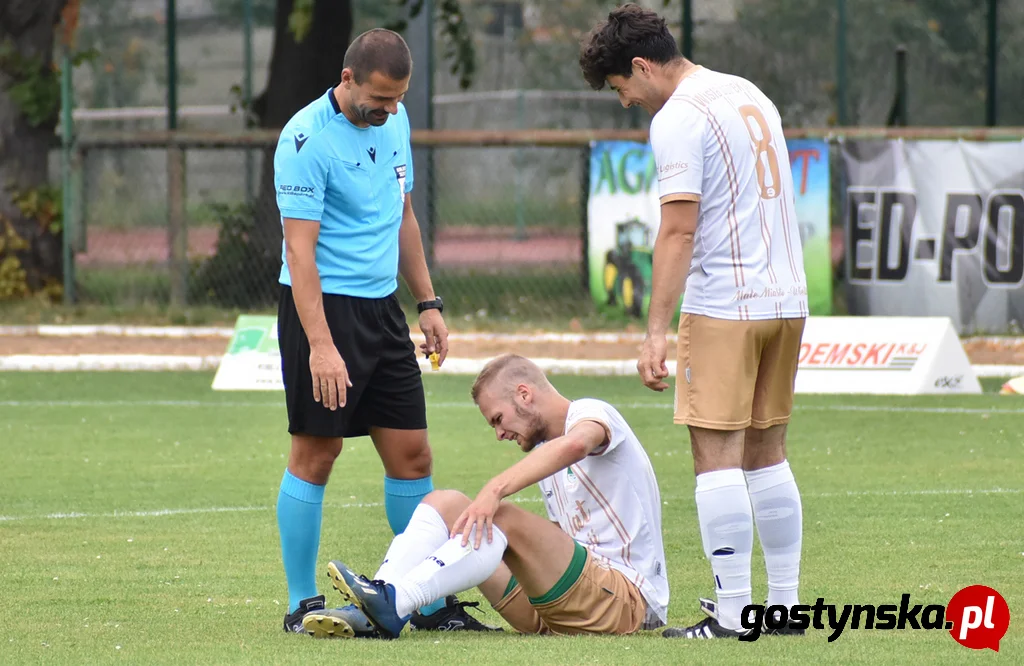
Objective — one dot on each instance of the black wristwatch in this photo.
(435, 304)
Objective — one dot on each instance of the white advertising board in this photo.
(252, 361)
(883, 355)
(851, 355)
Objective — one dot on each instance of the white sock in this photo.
(727, 530)
(425, 533)
(779, 516)
(450, 570)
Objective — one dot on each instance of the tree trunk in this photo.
(29, 104)
(299, 73)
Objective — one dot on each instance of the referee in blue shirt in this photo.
(343, 174)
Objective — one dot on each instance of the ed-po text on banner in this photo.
(936, 228)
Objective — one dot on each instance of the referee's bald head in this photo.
(379, 50)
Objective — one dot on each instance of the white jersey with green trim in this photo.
(609, 502)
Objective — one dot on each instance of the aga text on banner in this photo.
(624, 214)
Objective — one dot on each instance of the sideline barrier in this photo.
(839, 355)
(899, 355)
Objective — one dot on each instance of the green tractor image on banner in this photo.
(628, 267)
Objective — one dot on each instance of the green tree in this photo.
(30, 233)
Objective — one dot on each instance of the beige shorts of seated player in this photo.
(559, 588)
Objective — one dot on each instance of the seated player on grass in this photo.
(596, 567)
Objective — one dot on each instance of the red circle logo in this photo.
(979, 617)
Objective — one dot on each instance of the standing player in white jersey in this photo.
(728, 236)
(597, 566)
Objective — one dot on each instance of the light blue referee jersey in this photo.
(354, 181)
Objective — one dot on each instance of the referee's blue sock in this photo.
(401, 497)
(299, 513)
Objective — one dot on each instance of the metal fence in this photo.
(164, 218)
(196, 223)
(822, 61)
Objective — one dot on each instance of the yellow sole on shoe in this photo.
(326, 626)
(339, 584)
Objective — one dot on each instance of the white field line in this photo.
(454, 366)
(918, 493)
(109, 362)
(158, 513)
(136, 403)
(909, 409)
(982, 371)
(894, 409)
(93, 330)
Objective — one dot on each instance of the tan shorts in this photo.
(736, 374)
(601, 601)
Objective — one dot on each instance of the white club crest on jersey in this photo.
(571, 482)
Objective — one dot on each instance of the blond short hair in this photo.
(508, 371)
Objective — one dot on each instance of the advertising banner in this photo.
(936, 228)
(883, 355)
(624, 213)
(252, 361)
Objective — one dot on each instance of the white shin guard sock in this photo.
(425, 533)
(451, 569)
(727, 530)
(779, 517)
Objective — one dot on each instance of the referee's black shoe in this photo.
(453, 617)
(293, 621)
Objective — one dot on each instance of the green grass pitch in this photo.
(138, 523)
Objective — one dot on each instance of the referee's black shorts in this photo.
(373, 338)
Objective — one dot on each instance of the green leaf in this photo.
(456, 32)
(301, 19)
(82, 57)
